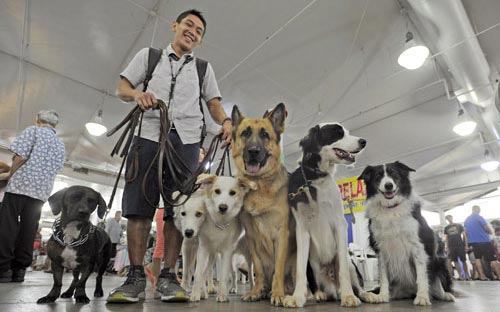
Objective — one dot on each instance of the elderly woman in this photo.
(38, 156)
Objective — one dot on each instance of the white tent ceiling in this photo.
(327, 60)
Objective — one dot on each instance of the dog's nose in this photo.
(254, 151)
(362, 142)
(189, 233)
(388, 186)
(222, 208)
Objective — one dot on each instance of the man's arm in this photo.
(219, 115)
(128, 93)
(17, 162)
(466, 242)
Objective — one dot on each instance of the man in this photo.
(456, 246)
(38, 156)
(114, 230)
(478, 231)
(176, 64)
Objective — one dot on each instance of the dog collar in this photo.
(58, 235)
(221, 227)
(392, 206)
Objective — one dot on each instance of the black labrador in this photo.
(76, 243)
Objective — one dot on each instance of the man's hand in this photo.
(227, 132)
(145, 100)
(4, 176)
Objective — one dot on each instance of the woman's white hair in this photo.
(49, 117)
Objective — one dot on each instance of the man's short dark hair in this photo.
(195, 13)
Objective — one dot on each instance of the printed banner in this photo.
(353, 192)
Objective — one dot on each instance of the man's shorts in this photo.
(456, 252)
(135, 202)
(484, 251)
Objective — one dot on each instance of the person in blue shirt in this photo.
(478, 236)
(39, 155)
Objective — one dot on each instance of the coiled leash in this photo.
(183, 179)
(221, 168)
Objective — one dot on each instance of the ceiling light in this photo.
(414, 55)
(464, 125)
(95, 127)
(489, 164)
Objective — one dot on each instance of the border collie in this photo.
(404, 243)
(321, 229)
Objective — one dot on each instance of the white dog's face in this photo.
(225, 196)
(190, 216)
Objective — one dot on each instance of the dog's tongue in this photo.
(389, 195)
(253, 168)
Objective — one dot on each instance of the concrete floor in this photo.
(478, 297)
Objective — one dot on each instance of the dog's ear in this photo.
(176, 197)
(246, 184)
(236, 117)
(56, 201)
(402, 166)
(278, 116)
(101, 206)
(207, 180)
(310, 143)
(366, 175)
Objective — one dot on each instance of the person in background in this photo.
(478, 231)
(4, 174)
(114, 230)
(496, 242)
(153, 269)
(175, 81)
(38, 156)
(456, 246)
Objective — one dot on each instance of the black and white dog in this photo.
(321, 229)
(76, 243)
(404, 243)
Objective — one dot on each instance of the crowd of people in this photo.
(479, 242)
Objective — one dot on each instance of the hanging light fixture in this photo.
(490, 163)
(414, 55)
(95, 127)
(464, 126)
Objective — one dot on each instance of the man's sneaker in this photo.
(6, 276)
(133, 288)
(18, 275)
(169, 288)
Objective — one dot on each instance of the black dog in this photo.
(76, 243)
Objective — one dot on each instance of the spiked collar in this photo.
(58, 234)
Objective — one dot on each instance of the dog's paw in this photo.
(195, 296)
(369, 297)
(252, 296)
(422, 300)
(46, 299)
(211, 290)
(222, 298)
(82, 299)
(233, 291)
(381, 298)
(294, 302)
(277, 299)
(448, 297)
(349, 301)
(67, 294)
(320, 296)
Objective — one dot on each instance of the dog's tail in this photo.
(438, 268)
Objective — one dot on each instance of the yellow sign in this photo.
(353, 193)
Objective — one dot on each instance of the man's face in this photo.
(188, 33)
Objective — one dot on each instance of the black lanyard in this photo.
(174, 78)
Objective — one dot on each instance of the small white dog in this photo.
(188, 219)
(221, 231)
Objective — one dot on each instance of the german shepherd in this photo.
(266, 215)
